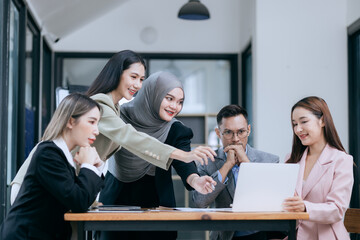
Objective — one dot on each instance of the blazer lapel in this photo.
(231, 184)
(250, 153)
(73, 171)
(220, 159)
(319, 169)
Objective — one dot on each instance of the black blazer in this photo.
(50, 189)
(180, 137)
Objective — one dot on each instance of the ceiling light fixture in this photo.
(194, 10)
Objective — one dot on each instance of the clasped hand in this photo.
(236, 154)
(88, 155)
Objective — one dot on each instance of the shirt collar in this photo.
(60, 142)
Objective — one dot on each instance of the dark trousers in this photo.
(139, 193)
(262, 235)
(255, 236)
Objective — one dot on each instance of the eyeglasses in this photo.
(228, 134)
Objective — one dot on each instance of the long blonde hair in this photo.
(72, 106)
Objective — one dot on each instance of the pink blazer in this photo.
(326, 194)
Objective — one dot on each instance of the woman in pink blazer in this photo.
(326, 172)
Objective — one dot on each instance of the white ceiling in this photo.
(140, 25)
(63, 17)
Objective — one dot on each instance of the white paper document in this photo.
(262, 187)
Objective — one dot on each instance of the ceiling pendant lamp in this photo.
(194, 10)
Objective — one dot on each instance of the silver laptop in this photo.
(262, 187)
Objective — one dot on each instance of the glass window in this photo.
(80, 71)
(30, 109)
(13, 91)
(31, 94)
(202, 80)
(46, 88)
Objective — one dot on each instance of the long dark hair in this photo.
(319, 108)
(109, 77)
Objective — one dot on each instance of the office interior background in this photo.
(264, 55)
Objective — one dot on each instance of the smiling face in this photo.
(83, 131)
(172, 104)
(131, 81)
(307, 127)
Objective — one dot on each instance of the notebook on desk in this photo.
(262, 187)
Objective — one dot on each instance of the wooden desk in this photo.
(185, 221)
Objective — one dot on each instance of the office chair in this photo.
(352, 222)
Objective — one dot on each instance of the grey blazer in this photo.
(223, 194)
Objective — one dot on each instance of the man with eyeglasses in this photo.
(233, 130)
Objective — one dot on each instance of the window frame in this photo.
(4, 61)
(232, 58)
(354, 105)
(245, 84)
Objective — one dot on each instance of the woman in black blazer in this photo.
(131, 180)
(51, 187)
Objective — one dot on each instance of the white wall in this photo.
(353, 11)
(121, 29)
(247, 23)
(247, 34)
(301, 50)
